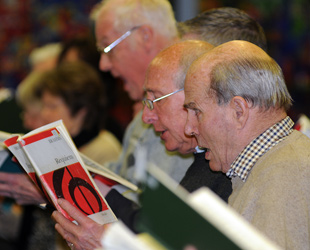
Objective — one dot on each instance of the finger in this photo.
(82, 238)
(6, 178)
(65, 234)
(65, 227)
(75, 213)
(5, 188)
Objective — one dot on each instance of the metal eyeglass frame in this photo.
(117, 41)
(149, 103)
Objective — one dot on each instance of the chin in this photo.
(171, 148)
(214, 166)
(135, 95)
(183, 151)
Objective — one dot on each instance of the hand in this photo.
(21, 188)
(86, 235)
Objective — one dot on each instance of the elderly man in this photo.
(237, 102)
(164, 110)
(129, 34)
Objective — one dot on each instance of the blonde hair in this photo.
(43, 53)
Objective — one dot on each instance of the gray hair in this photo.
(130, 13)
(259, 81)
(188, 56)
(224, 24)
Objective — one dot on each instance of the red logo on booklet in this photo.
(74, 185)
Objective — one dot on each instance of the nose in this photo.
(45, 114)
(149, 116)
(191, 126)
(105, 63)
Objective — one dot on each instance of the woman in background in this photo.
(74, 93)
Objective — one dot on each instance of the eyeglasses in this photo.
(149, 103)
(117, 41)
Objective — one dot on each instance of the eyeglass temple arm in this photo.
(158, 99)
(117, 41)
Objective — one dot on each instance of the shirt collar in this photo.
(245, 161)
(199, 150)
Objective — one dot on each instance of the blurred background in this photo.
(28, 24)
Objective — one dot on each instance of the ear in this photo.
(146, 37)
(80, 115)
(240, 109)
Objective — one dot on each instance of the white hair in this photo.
(130, 13)
(259, 81)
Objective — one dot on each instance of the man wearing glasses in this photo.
(129, 35)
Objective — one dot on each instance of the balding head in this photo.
(166, 75)
(177, 58)
(240, 68)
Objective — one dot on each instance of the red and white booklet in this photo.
(50, 153)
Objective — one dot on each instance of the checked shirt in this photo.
(245, 161)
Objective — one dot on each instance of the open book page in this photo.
(96, 168)
(61, 170)
(13, 145)
(11, 142)
(119, 237)
(200, 220)
(232, 224)
(6, 162)
(4, 136)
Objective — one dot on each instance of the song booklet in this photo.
(50, 158)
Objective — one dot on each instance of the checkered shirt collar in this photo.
(258, 147)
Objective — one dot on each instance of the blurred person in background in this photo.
(74, 93)
(83, 48)
(45, 57)
(24, 115)
(40, 59)
(220, 25)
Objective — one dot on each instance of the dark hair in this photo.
(86, 49)
(80, 86)
(221, 25)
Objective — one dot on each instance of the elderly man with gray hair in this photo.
(237, 106)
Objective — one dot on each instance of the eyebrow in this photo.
(147, 90)
(101, 41)
(152, 91)
(190, 105)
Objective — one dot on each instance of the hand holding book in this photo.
(19, 187)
